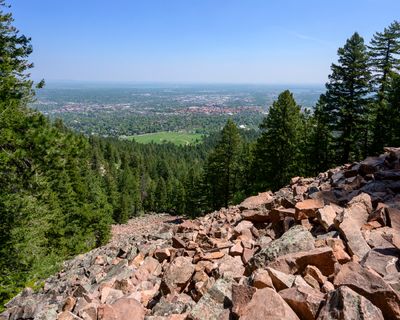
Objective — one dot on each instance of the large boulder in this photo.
(346, 304)
(371, 286)
(296, 239)
(383, 260)
(241, 296)
(256, 202)
(267, 304)
(177, 275)
(215, 304)
(305, 301)
(350, 229)
(323, 258)
(122, 309)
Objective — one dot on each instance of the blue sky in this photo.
(229, 41)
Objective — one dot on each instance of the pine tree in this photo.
(321, 152)
(384, 53)
(14, 66)
(161, 197)
(394, 111)
(222, 168)
(277, 151)
(347, 99)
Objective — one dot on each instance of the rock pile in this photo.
(323, 248)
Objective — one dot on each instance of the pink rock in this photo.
(346, 304)
(256, 201)
(371, 286)
(122, 309)
(267, 304)
(305, 301)
(308, 208)
(178, 274)
(261, 279)
(394, 218)
(241, 296)
(326, 216)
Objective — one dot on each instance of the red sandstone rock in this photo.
(261, 279)
(305, 301)
(241, 296)
(122, 309)
(308, 208)
(371, 286)
(256, 201)
(178, 274)
(267, 304)
(346, 304)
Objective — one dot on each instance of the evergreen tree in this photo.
(321, 151)
(384, 53)
(347, 99)
(14, 66)
(277, 151)
(222, 168)
(161, 196)
(394, 111)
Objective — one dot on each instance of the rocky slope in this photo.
(323, 248)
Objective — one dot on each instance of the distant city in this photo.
(123, 109)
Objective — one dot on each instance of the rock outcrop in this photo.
(322, 248)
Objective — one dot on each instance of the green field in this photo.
(179, 138)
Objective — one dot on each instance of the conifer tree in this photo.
(221, 172)
(14, 65)
(394, 111)
(161, 196)
(347, 99)
(321, 152)
(384, 53)
(277, 151)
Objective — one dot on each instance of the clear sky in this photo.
(231, 41)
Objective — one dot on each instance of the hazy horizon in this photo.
(234, 42)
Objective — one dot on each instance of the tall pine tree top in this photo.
(385, 57)
(347, 97)
(14, 65)
(277, 149)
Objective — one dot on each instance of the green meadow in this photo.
(178, 138)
